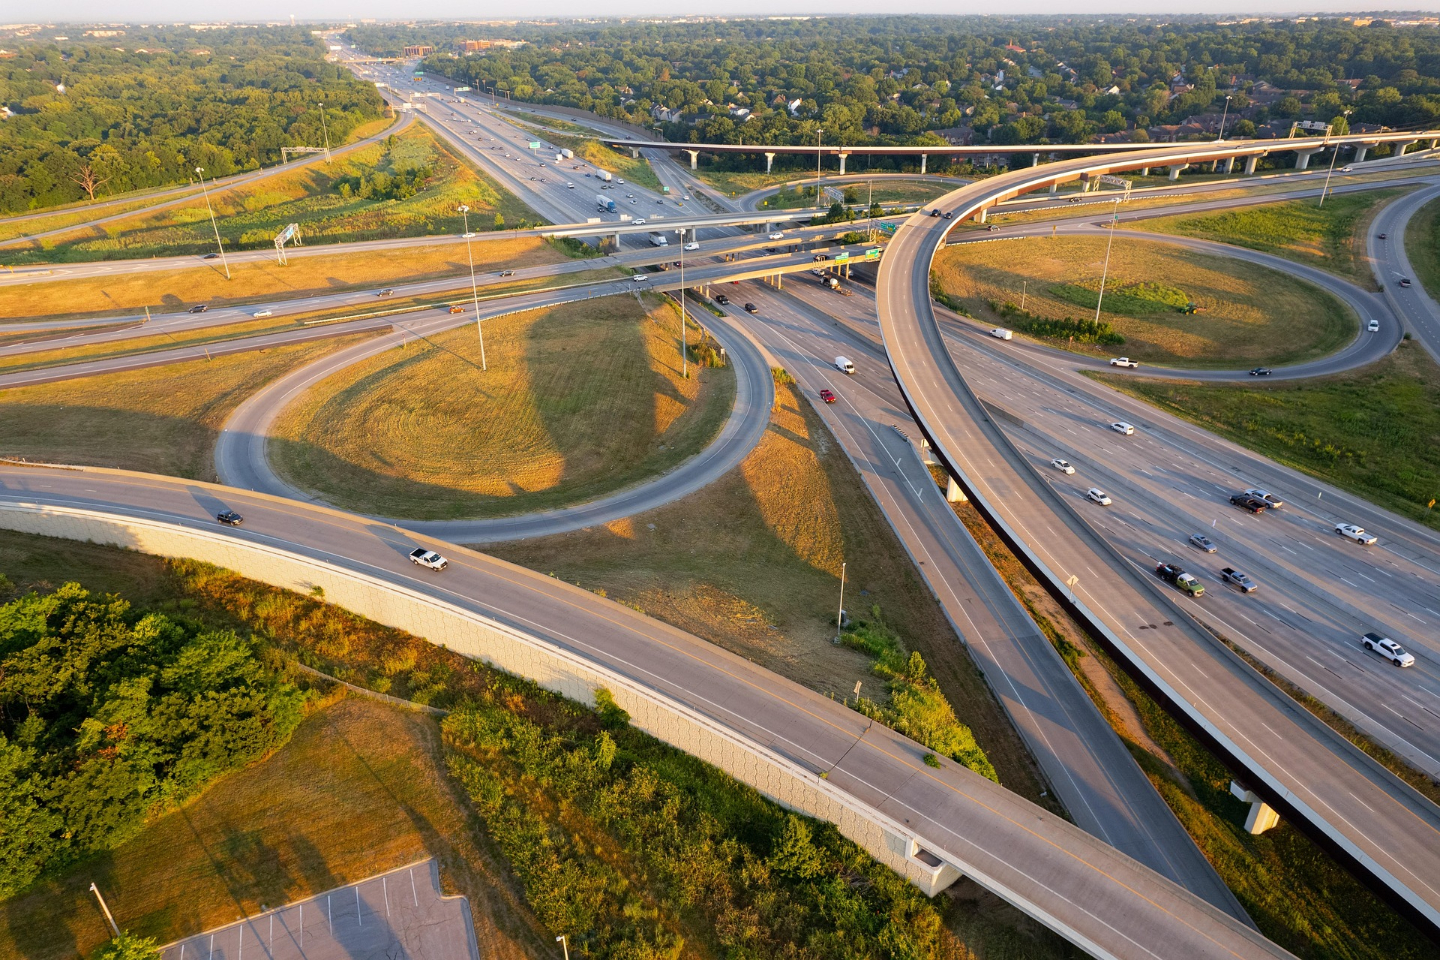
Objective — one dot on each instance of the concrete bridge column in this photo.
(980, 217)
(1302, 157)
(1054, 187)
(1261, 816)
(1175, 169)
(1250, 162)
(1360, 150)
(1035, 160)
(634, 153)
(1144, 171)
(1400, 148)
(694, 159)
(769, 161)
(842, 163)
(923, 158)
(953, 493)
(1229, 164)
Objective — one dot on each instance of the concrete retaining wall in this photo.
(558, 670)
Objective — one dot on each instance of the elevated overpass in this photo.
(1303, 147)
(1289, 759)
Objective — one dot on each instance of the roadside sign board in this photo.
(534, 144)
(872, 254)
(842, 257)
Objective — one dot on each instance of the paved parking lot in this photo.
(399, 915)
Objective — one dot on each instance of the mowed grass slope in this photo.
(752, 564)
(160, 420)
(1374, 431)
(329, 202)
(176, 290)
(1331, 237)
(1251, 314)
(1422, 246)
(579, 400)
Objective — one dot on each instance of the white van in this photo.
(1000, 333)
(844, 365)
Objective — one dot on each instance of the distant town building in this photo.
(419, 50)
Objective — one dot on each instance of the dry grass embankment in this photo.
(752, 563)
(160, 420)
(579, 400)
(175, 290)
(1250, 314)
(407, 185)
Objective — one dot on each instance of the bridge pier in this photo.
(933, 874)
(1034, 159)
(1229, 164)
(1360, 150)
(1144, 171)
(842, 163)
(1302, 157)
(1054, 187)
(1175, 169)
(923, 158)
(953, 493)
(1400, 148)
(981, 216)
(634, 153)
(1250, 162)
(769, 161)
(1261, 816)
(694, 159)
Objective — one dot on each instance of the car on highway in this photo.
(199, 308)
(1247, 502)
(507, 273)
(1184, 581)
(934, 213)
(777, 235)
(686, 197)
(827, 396)
(1122, 428)
(1062, 465)
(1096, 495)
(639, 277)
(1123, 362)
(1260, 372)
(820, 257)
(1373, 326)
(1203, 542)
(844, 365)
(1351, 532)
(619, 181)
(1388, 649)
(721, 298)
(692, 245)
(428, 559)
(570, 186)
(948, 215)
(211, 256)
(751, 308)
(388, 291)
(1380, 236)
(261, 314)
(457, 309)
(1238, 579)
(1404, 281)
(638, 221)
(229, 518)
(1265, 496)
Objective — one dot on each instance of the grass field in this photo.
(160, 420)
(1331, 237)
(1250, 314)
(752, 563)
(175, 290)
(1370, 431)
(1422, 246)
(1297, 895)
(580, 400)
(330, 203)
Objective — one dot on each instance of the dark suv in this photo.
(1247, 502)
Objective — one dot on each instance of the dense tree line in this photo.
(89, 119)
(108, 716)
(866, 79)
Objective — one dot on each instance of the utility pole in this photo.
(1222, 120)
(106, 910)
(474, 291)
(325, 127)
(840, 616)
(1334, 154)
(200, 171)
(818, 134)
(684, 343)
(1105, 273)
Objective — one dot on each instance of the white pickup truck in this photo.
(1123, 362)
(428, 558)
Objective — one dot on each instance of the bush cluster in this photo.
(1081, 331)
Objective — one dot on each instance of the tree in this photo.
(1339, 126)
(88, 180)
(795, 854)
(499, 221)
(127, 946)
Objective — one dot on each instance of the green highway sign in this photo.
(534, 144)
(872, 254)
(842, 257)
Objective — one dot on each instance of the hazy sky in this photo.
(177, 10)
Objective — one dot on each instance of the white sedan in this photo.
(1351, 532)
(1062, 465)
(777, 235)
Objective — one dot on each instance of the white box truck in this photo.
(658, 240)
(604, 175)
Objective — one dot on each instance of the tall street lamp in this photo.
(200, 171)
(1222, 119)
(325, 127)
(474, 291)
(684, 343)
(1105, 273)
(1334, 154)
(818, 134)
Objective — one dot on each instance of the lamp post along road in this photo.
(1331, 169)
(1223, 115)
(326, 128)
(474, 291)
(818, 135)
(1105, 273)
(200, 171)
(684, 343)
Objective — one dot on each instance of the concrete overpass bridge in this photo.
(1303, 147)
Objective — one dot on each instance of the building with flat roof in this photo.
(419, 50)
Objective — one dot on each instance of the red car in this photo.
(827, 396)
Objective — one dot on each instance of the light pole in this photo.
(1222, 120)
(200, 171)
(870, 210)
(818, 134)
(840, 617)
(564, 945)
(1333, 156)
(684, 343)
(325, 127)
(474, 291)
(1105, 273)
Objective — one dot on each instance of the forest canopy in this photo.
(145, 109)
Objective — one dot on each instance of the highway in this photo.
(1415, 305)
(1309, 772)
(1097, 897)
